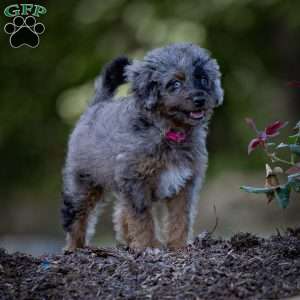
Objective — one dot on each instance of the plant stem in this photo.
(293, 156)
(297, 138)
(274, 157)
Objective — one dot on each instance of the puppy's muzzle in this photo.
(199, 99)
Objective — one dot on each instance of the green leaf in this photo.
(282, 195)
(282, 145)
(297, 125)
(296, 185)
(271, 144)
(255, 190)
(294, 181)
(292, 139)
(295, 148)
(293, 176)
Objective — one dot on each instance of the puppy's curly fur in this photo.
(130, 146)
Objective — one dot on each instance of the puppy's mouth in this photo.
(194, 115)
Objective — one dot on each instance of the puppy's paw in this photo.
(176, 245)
(150, 246)
(152, 251)
(68, 249)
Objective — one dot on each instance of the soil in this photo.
(244, 267)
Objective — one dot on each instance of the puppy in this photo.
(147, 148)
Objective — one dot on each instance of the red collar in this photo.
(175, 136)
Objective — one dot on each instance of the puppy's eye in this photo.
(204, 82)
(177, 84)
(174, 85)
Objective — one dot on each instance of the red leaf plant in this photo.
(273, 189)
(270, 131)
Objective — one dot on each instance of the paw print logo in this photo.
(24, 32)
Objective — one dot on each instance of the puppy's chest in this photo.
(172, 179)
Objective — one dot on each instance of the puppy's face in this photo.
(188, 93)
(181, 81)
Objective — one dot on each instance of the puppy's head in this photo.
(180, 81)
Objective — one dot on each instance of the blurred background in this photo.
(44, 91)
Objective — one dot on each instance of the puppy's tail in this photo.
(110, 79)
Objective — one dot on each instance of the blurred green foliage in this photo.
(44, 90)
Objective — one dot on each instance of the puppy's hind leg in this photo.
(80, 211)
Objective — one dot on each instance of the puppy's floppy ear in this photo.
(213, 67)
(219, 92)
(142, 75)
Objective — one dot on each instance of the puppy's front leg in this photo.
(178, 219)
(133, 218)
(137, 228)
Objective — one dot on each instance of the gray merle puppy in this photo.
(147, 148)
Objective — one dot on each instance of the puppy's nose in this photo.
(199, 101)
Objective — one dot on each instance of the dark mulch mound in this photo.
(245, 267)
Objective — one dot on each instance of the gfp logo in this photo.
(24, 30)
